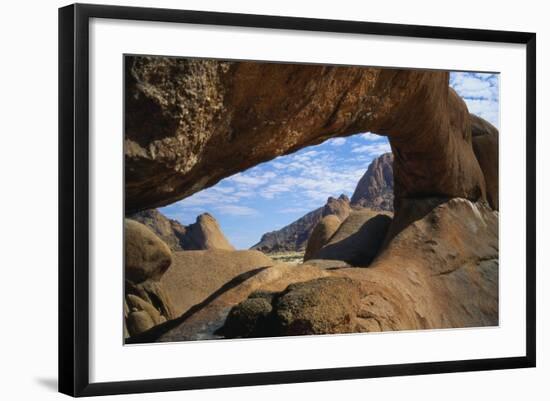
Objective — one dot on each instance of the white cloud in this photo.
(251, 179)
(337, 141)
(223, 190)
(372, 150)
(236, 210)
(278, 165)
(480, 91)
(296, 183)
(486, 109)
(369, 136)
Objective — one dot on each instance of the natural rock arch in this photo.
(189, 123)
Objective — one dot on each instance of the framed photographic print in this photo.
(249, 199)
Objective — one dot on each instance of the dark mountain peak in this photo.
(375, 188)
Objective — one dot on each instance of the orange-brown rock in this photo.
(203, 320)
(321, 234)
(485, 144)
(196, 275)
(190, 123)
(327, 305)
(170, 231)
(147, 258)
(204, 233)
(146, 255)
(358, 239)
(440, 271)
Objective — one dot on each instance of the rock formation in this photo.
(146, 255)
(205, 233)
(294, 236)
(321, 234)
(357, 240)
(375, 189)
(190, 123)
(417, 283)
(172, 232)
(147, 258)
(440, 271)
(485, 144)
(196, 275)
(326, 305)
(204, 320)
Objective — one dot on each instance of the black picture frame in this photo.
(74, 203)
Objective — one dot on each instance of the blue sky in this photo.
(273, 194)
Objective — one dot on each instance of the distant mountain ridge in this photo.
(205, 233)
(374, 191)
(294, 236)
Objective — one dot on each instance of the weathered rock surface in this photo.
(326, 305)
(321, 234)
(294, 236)
(204, 320)
(375, 189)
(170, 231)
(147, 258)
(322, 306)
(146, 255)
(441, 271)
(205, 233)
(250, 318)
(190, 123)
(358, 239)
(485, 144)
(196, 275)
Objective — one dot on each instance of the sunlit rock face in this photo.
(204, 233)
(190, 123)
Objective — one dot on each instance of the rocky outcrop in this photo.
(441, 271)
(358, 239)
(322, 306)
(339, 207)
(205, 233)
(204, 320)
(485, 145)
(375, 189)
(294, 236)
(147, 258)
(190, 123)
(172, 232)
(196, 275)
(321, 234)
